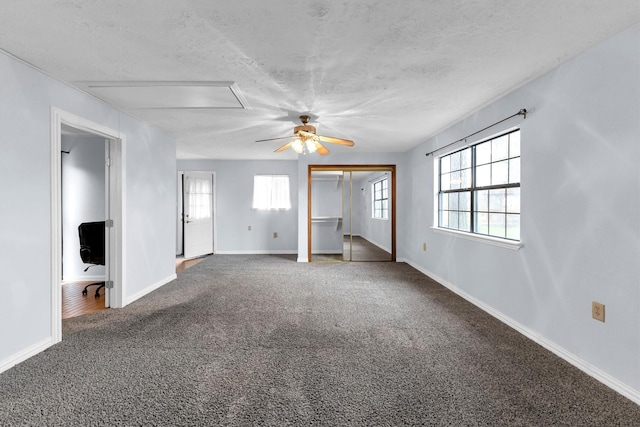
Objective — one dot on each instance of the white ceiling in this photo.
(386, 74)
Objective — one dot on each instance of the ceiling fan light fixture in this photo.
(311, 146)
(303, 146)
(297, 146)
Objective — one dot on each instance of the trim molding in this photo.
(25, 354)
(495, 241)
(150, 289)
(260, 252)
(606, 379)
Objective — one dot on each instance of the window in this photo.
(200, 193)
(381, 199)
(271, 192)
(479, 188)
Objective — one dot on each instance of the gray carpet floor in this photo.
(263, 340)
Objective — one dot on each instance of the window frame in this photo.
(471, 230)
(384, 207)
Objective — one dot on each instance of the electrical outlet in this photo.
(424, 246)
(275, 234)
(249, 228)
(597, 311)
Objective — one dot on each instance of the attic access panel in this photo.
(168, 95)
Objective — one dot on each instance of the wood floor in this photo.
(75, 304)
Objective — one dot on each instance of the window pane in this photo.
(483, 153)
(497, 225)
(453, 201)
(500, 148)
(465, 178)
(514, 170)
(385, 204)
(385, 184)
(464, 221)
(444, 201)
(445, 164)
(483, 176)
(481, 223)
(271, 192)
(465, 158)
(453, 220)
(444, 182)
(513, 200)
(500, 173)
(513, 227)
(482, 200)
(514, 144)
(455, 161)
(455, 180)
(444, 219)
(497, 200)
(464, 201)
(385, 194)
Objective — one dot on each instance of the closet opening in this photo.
(351, 213)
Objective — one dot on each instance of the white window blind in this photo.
(271, 192)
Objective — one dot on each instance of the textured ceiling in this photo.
(385, 74)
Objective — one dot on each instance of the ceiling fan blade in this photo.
(284, 147)
(339, 141)
(320, 149)
(274, 139)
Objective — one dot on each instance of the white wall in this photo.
(83, 200)
(233, 216)
(580, 212)
(26, 99)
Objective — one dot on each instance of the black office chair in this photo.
(92, 248)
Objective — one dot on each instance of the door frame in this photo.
(116, 207)
(180, 213)
(354, 168)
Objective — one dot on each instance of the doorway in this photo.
(113, 195)
(83, 193)
(196, 214)
(351, 213)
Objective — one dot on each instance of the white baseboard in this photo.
(611, 382)
(327, 252)
(260, 252)
(149, 289)
(23, 355)
(100, 278)
(302, 259)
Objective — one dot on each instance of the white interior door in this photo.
(198, 214)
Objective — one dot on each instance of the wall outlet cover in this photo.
(597, 311)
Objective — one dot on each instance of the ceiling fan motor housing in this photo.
(306, 128)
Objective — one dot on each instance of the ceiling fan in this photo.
(306, 141)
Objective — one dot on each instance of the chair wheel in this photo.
(84, 292)
(97, 295)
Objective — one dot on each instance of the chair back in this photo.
(92, 242)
